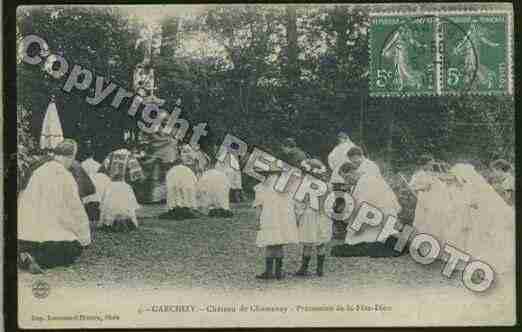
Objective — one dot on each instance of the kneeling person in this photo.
(118, 207)
(53, 226)
(213, 190)
(181, 190)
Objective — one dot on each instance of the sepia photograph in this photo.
(264, 165)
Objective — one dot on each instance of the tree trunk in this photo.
(340, 19)
(291, 38)
(169, 37)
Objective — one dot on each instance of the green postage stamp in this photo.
(440, 53)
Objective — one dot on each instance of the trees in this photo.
(263, 73)
(98, 38)
(302, 71)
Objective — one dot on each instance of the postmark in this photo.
(476, 60)
(440, 53)
(401, 60)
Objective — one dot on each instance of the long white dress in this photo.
(369, 167)
(375, 191)
(181, 187)
(50, 209)
(314, 226)
(492, 235)
(460, 219)
(432, 212)
(213, 189)
(278, 221)
(119, 202)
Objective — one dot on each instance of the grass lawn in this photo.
(220, 254)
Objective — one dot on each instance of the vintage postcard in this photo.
(265, 165)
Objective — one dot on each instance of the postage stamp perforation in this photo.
(370, 81)
(474, 93)
(402, 95)
(452, 12)
(509, 51)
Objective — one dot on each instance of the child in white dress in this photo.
(277, 223)
(213, 193)
(118, 207)
(182, 190)
(314, 226)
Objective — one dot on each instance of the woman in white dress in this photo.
(119, 204)
(492, 234)
(213, 193)
(277, 223)
(373, 190)
(181, 190)
(434, 208)
(314, 226)
(118, 207)
(53, 226)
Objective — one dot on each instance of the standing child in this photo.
(277, 223)
(314, 226)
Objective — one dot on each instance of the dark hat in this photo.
(67, 147)
(501, 164)
(342, 134)
(346, 168)
(355, 151)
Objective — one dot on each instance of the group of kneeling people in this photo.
(63, 202)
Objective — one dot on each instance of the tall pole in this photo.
(361, 119)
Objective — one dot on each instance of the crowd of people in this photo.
(58, 217)
(63, 203)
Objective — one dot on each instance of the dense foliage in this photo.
(262, 73)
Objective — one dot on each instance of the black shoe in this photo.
(303, 270)
(320, 265)
(265, 275)
(279, 268)
(268, 274)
